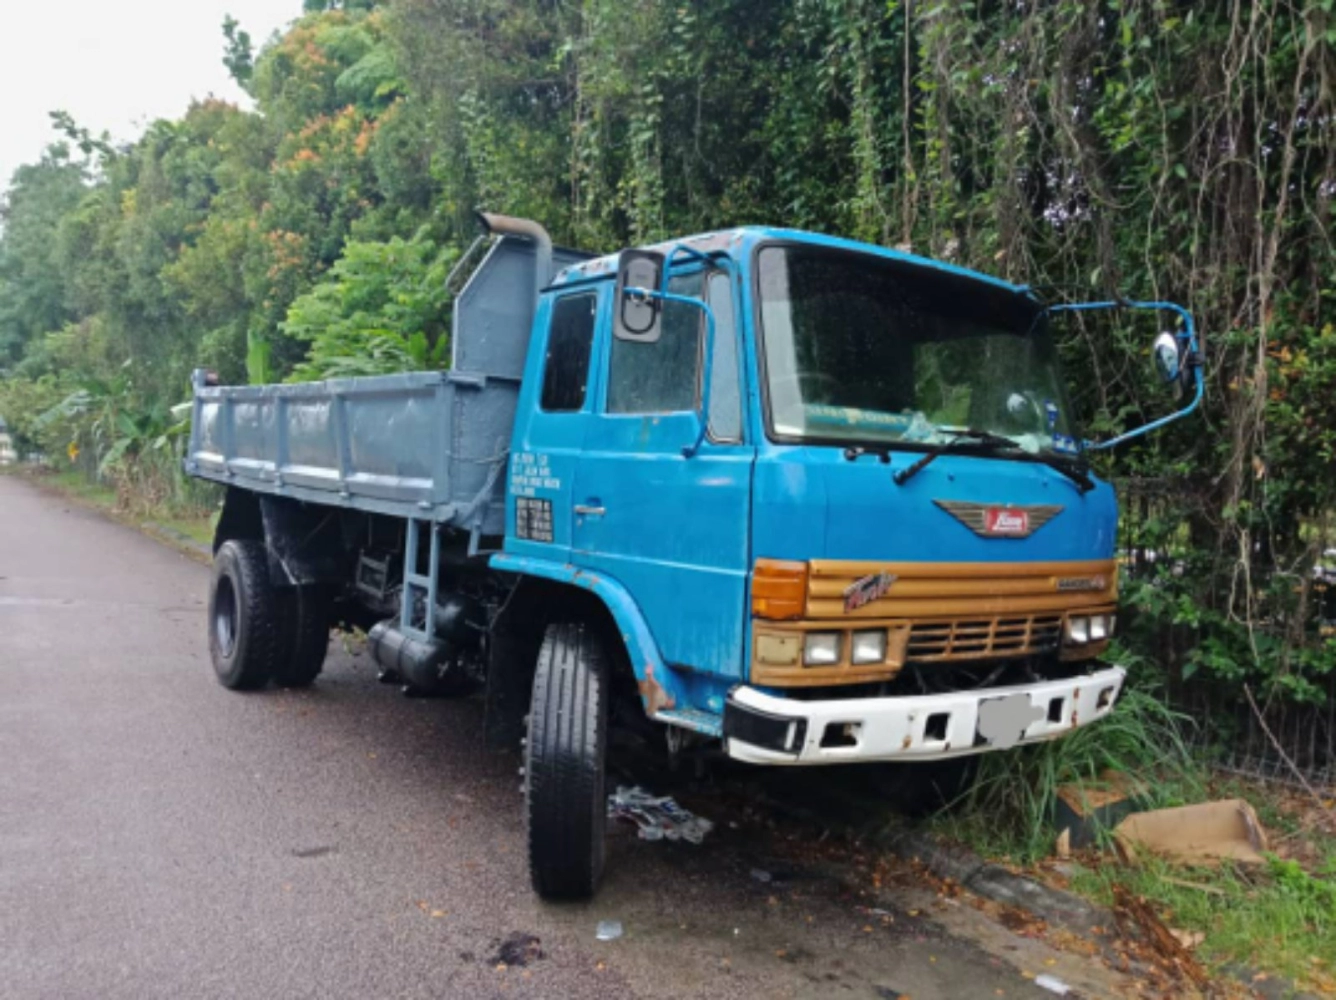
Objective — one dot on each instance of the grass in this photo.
(199, 529)
(73, 483)
(1279, 919)
(1008, 811)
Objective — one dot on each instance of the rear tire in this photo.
(310, 606)
(246, 638)
(564, 764)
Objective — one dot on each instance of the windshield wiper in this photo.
(1073, 469)
(967, 436)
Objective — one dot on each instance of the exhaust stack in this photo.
(508, 225)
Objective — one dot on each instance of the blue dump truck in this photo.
(796, 498)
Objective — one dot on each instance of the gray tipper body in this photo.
(424, 445)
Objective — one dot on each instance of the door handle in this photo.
(590, 509)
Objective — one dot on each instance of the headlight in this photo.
(822, 649)
(868, 647)
(1082, 629)
(1078, 630)
(1099, 628)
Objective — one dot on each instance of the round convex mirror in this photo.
(1167, 361)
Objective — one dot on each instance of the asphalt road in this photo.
(162, 837)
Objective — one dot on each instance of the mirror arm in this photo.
(703, 415)
(690, 252)
(1193, 361)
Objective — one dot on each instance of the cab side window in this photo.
(664, 376)
(660, 377)
(569, 342)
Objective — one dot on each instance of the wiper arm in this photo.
(1074, 469)
(968, 436)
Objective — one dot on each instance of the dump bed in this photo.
(430, 445)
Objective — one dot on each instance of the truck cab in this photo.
(741, 488)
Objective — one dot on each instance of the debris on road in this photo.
(1053, 984)
(1081, 810)
(657, 818)
(608, 930)
(517, 950)
(1207, 833)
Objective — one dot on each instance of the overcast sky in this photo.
(114, 66)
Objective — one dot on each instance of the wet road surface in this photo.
(162, 837)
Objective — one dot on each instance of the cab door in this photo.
(554, 409)
(675, 531)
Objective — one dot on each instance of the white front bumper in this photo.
(899, 728)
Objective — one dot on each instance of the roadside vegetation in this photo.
(1252, 920)
(1141, 148)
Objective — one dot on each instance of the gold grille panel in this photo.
(939, 613)
(979, 638)
(971, 592)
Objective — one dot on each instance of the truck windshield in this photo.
(863, 349)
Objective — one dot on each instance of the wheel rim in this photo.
(225, 616)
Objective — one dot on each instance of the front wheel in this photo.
(246, 636)
(564, 763)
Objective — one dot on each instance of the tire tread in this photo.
(259, 644)
(564, 764)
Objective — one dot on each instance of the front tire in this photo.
(246, 640)
(564, 764)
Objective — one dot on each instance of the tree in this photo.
(34, 289)
(238, 54)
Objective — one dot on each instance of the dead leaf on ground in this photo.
(1188, 939)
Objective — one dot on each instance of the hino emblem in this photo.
(1001, 520)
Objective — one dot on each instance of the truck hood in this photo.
(813, 503)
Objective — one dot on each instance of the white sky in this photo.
(114, 66)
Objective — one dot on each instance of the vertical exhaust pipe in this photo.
(507, 225)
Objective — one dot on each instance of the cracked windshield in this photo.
(865, 350)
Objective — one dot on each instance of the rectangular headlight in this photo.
(1078, 630)
(822, 649)
(1099, 628)
(868, 646)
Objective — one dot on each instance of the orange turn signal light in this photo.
(779, 589)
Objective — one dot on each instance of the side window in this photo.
(566, 369)
(725, 388)
(660, 377)
(664, 377)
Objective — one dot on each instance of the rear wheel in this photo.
(246, 639)
(311, 608)
(564, 764)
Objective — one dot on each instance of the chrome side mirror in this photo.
(1168, 358)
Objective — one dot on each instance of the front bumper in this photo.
(762, 729)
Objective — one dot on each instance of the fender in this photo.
(661, 687)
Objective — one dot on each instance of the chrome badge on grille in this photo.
(1000, 520)
(866, 590)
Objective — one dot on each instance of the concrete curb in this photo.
(1056, 907)
(990, 881)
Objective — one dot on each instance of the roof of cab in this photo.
(742, 239)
